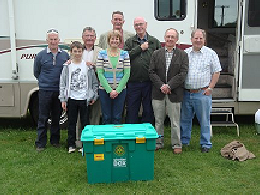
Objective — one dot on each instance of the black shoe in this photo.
(204, 150)
(56, 145)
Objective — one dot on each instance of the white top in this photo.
(78, 81)
(202, 65)
(88, 56)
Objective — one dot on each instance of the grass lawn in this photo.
(25, 171)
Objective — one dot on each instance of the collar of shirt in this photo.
(142, 40)
(49, 50)
(85, 48)
(173, 49)
(202, 50)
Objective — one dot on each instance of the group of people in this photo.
(130, 69)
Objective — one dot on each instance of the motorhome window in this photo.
(254, 13)
(169, 10)
(225, 14)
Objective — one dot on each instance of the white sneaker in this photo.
(71, 150)
(80, 150)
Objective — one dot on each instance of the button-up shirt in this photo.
(53, 54)
(202, 65)
(141, 41)
(168, 58)
(88, 55)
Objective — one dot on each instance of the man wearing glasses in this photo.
(90, 55)
(141, 47)
(48, 65)
(117, 22)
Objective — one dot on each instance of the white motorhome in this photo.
(233, 31)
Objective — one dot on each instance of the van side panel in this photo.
(10, 99)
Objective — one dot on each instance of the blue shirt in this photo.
(48, 67)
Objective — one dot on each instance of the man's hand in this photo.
(63, 104)
(68, 62)
(90, 64)
(145, 46)
(165, 89)
(208, 91)
(91, 102)
(168, 90)
(113, 94)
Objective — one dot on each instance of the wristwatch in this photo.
(211, 89)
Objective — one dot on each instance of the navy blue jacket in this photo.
(48, 75)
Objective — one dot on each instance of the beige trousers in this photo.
(95, 113)
(160, 108)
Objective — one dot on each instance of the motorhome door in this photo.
(249, 71)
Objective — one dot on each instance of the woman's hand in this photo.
(113, 94)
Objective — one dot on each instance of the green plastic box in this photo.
(117, 153)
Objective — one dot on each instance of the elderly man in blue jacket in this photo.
(48, 65)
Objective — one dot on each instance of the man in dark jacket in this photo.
(168, 69)
(140, 47)
(48, 65)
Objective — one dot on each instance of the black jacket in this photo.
(139, 59)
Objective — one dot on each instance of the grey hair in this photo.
(199, 30)
(89, 29)
(174, 30)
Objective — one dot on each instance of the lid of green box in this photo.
(111, 132)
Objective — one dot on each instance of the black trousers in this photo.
(73, 107)
(49, 105)
(140, 93)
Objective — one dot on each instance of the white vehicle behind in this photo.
(232, 25)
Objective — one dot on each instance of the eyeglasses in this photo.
(170, 37)
(52, 31)
(139, 24)
(91, 36)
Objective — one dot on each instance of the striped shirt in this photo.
(113, 78)
(202, 65)
(168, 58)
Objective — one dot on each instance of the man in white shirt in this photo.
(90, 55)
(204, 71)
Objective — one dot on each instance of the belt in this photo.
(195, 90)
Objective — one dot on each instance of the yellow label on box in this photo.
(140, 140)
(99, 157)
(99, 141)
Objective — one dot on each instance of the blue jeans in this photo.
(199, 104)
(49, 105)
(112, 109)
(140, 93)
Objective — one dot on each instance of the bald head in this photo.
(140, 26)
(139, 18)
